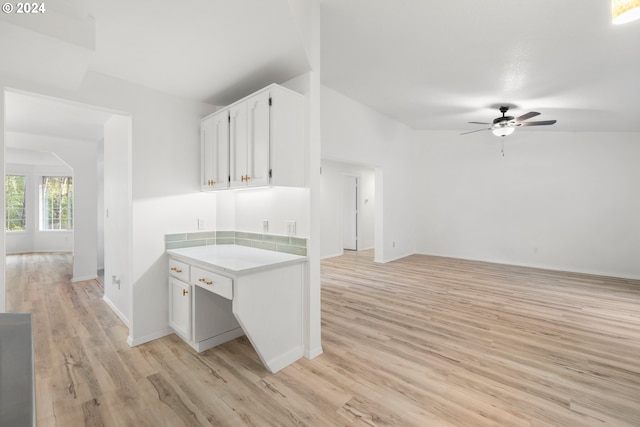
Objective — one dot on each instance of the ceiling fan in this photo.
(505, 125)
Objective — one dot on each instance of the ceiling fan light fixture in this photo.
(623, 11)
(503, 131)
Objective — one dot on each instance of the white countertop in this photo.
(235, 259)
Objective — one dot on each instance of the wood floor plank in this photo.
(421, 341)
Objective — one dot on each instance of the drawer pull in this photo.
(176, 269)
(209, 282)
(205, 281)
(184, 292)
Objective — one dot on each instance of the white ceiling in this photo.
(431, 65)
(440, 64)
(215, 51)
(29, 113)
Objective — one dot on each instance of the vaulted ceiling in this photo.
(429, 64)
(440, 64)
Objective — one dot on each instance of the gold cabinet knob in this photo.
(177, 270)
(209, 282)
(184, 292)
(202, 279)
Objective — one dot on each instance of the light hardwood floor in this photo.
(423, 341)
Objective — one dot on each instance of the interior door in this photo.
(350, 212)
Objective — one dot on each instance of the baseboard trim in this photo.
(115, 309)
(133, 342)
(310, 354)
(83, 278)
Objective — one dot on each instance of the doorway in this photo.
(350, 212)
(77, 134)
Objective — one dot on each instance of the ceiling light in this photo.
(503, 131)
(623, 11)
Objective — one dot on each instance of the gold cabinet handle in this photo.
(209, 282)
(247, 178)
(177, 270)
(184, 292)
(202, 279)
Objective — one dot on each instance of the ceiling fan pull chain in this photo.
(503, 148)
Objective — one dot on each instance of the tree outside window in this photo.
(57, 203)
(15, 200)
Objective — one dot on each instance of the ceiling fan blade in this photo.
(477, 130)
(480, 123)
(527, 116)
(540, 123)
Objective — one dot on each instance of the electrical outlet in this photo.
(291, 228)
(265, 226)
(201, 224)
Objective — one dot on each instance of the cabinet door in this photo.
(180, 307)
(215, 152)
(259, 128)
(238, 145)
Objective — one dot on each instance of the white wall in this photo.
(353, 133)
(100, 201)
(276, 205)
(165, 189)
(117, 216)
(81, 157)
(558, 200)
(331, 196)
(33, 239)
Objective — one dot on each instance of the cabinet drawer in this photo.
(179, 270)
(212, 282)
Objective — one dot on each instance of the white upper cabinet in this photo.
(214, 133)
(265, 141)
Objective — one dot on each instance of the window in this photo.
(15, 200)
(57, 203)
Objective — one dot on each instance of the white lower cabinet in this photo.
(180, 307)
(217, 306)
(199, 316)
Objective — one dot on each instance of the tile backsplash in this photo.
(270, 242)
